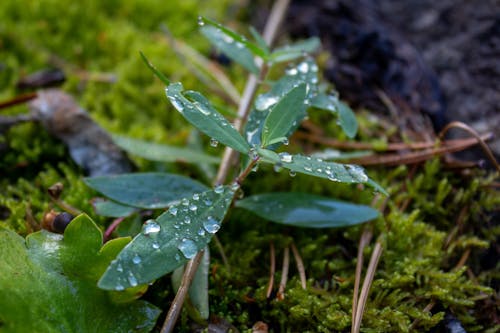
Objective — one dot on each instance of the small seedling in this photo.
(195, 211)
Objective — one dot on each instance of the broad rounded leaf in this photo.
(145, 190)
(196, 109)
(306, 210)
(162, 153)
(112, 208)
(169, 241)
(48, 284)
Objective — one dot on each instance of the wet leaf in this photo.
(296, 50)
(259, 39)
(169, 241)
(145, 190)
(48, 284)
(307, 210)
(347, 119)
(112, 208)
(162, 153)
(282, 116)
(336, 172)
(159, 74)
(201, 114)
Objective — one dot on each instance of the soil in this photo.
(439, 58)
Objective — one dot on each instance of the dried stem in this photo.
(222, 253)
(272, 269)
(275, 18)
(284, 274)
(300, 266)
(18, 100)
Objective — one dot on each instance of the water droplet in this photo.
(227, 39)
(235, 186)
(156, 245)
(253, 151)
(255, 168)
(177, 104)
(264, 102)
(136, 259)
(308, 169)
(119, 287)
(187, 220)
(188, 248)
(185, 202)
(286, 157)
(291, 71)
(193, 208)
(314, 67)
(202, 108)
(357, 172)
(151, 227)
(211, 225)
(200, 21)
(303, 67)
(292, 173)
(319, 170)
(119, 268)
(277, 167)
(214, 143)
(286, 142)
(173, 210)
(177, 257)
(239, 45)
(132, 280)
(207, 202)
(196, 197)
(219, 189)
(201, 232)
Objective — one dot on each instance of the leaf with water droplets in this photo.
(281, 117)
(177, 232)
(145, 190)
(201, 114)
(347, 119)
(307, 210)
(162, 153)
(343, 173)
(296, 50)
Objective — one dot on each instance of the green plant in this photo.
(196, 211)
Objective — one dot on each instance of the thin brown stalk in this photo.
(284, 274)
(272, 270)
(364, 240)
(480, 140)
(112, 227)
(370, 273)
(428, 308)
(300, 266)
(222, 253)
(18, 100)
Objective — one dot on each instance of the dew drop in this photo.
(201, 232)
(227, 39)
(292, 173)
(286, 157)
(200, 21)
(235, 186)
(177, 104)
(253, 152)
(132, 280)
(286, 142)
(188, 248)
(150, 228)
(277, 167)
(119, 287)
(308, 169)
(156, 245)
(193, 208)
(173, 210)
(314, 67)
(136, 260)
(219, 189)
(291, 71)
(185, 202)
(177, 257)
(187, 220)
(303, 67)
(264, 102)
(119, 268)
(214, 143)
(211, 225)
(208, 202)
(196, 197)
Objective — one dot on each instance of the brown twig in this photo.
(300, 266)
(272, 270)
(112, 227)
(284, 274)
(222, 253)
(18, 100)
(370, 273)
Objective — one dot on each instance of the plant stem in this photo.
(277, 13)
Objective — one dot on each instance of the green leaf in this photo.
(282, 116)
(159, 74)
(198, 291)
(343, 173)
(145, 190)
(112, 208)
(200, 113)
(169, 241)
(296, 50)
(256, 50)
(48, 284)
(306, 210)
(162, 153)
(260, 40)
(347, 120)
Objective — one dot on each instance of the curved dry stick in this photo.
(470, 130)
(272, 270)
(284, 274)
(300, 266)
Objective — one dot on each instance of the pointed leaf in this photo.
(159, 74)
(307, 210)
(48, 284)
(162, 153)
(347, 120)
(169, 241)
(145, 190)
(201, 114)
(235, 37)
(343, 173)
(259, 39)
(296, 50)
(282, 116)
